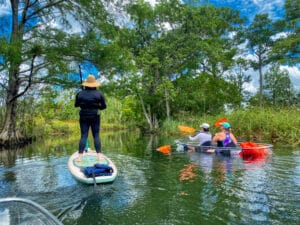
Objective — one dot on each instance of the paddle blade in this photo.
(185, 129)
(218, 123)
(251, 150)
(165, 149)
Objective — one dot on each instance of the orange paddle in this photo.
(218, 123)
(186, 129)
(165, 149)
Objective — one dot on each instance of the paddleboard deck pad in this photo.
(89, 161)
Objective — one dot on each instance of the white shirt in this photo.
(202, 137)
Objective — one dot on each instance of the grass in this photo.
(267, 125)
(280, 125)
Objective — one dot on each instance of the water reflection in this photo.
(9, 157)
(148, 189)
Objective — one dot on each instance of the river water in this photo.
(148, 189)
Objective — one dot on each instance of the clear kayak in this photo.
(243, 148)
(19, 211)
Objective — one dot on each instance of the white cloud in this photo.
(5, 8)
(251, 87)
(294, 73)
(269, 6)
(279, 35)
(152, 2)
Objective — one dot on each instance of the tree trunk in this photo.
(260, 81)
(150, 117)
(10, 135)
(167, 103)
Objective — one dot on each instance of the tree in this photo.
(41, 49)
(205, 94)
(259, 35)
(287, 47)
(238, 76)
(278, 86)
(172, 40)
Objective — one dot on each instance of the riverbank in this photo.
(269, 125)
(256, 124)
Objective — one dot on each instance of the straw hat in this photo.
(91, 82)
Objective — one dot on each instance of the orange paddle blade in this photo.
(218, 123)
(186, 129)
(252, 150)
(165, 149)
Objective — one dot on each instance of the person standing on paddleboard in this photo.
(91, 101)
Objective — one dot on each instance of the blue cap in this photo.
(225, 125)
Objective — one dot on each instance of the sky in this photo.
(248, 9)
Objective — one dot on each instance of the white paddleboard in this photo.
(89, 158)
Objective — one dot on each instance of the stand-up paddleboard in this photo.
(89, 159)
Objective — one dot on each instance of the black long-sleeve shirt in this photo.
(90, 99)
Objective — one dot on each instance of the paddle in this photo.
(165, 149)
(222, 120)
(86, 145)
(186, 129)
(80, 75)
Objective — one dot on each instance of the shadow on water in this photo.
(148, 189)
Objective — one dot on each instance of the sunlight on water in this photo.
(148, 188)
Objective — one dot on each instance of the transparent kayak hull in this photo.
(260, 147)
(19, 211)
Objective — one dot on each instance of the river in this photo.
(148, 189)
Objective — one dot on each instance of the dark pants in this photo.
(87, 121)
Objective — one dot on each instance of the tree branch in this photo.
(3, 86)
(43, 8)
(29, 81)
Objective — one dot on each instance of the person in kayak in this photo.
(225, 138)
(91, 101)
(204, 137)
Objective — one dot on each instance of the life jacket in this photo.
(98, 170)
(227, 139)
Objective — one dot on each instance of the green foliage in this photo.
(198, 39)
(205, 94)
(130, 110)
(279, 88)
(259, 35)
(286, 48)
(267, 125)
(173, 59)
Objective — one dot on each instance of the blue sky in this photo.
(247, 8)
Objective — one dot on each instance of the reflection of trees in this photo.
(8, 157)
(152, 143)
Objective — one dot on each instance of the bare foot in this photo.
(79, 159)
(210, 151)
(99, 155)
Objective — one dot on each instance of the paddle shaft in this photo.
(80, 75)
